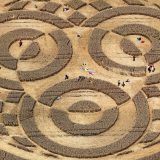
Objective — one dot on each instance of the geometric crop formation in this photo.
(80, 79)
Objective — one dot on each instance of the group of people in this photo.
(123, 83)
(151, 68)
(86, 69)
(80, 78)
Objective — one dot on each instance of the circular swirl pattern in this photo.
(63, 57)
(48, 97)
(95, 49)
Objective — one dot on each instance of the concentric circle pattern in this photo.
(80, 79)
